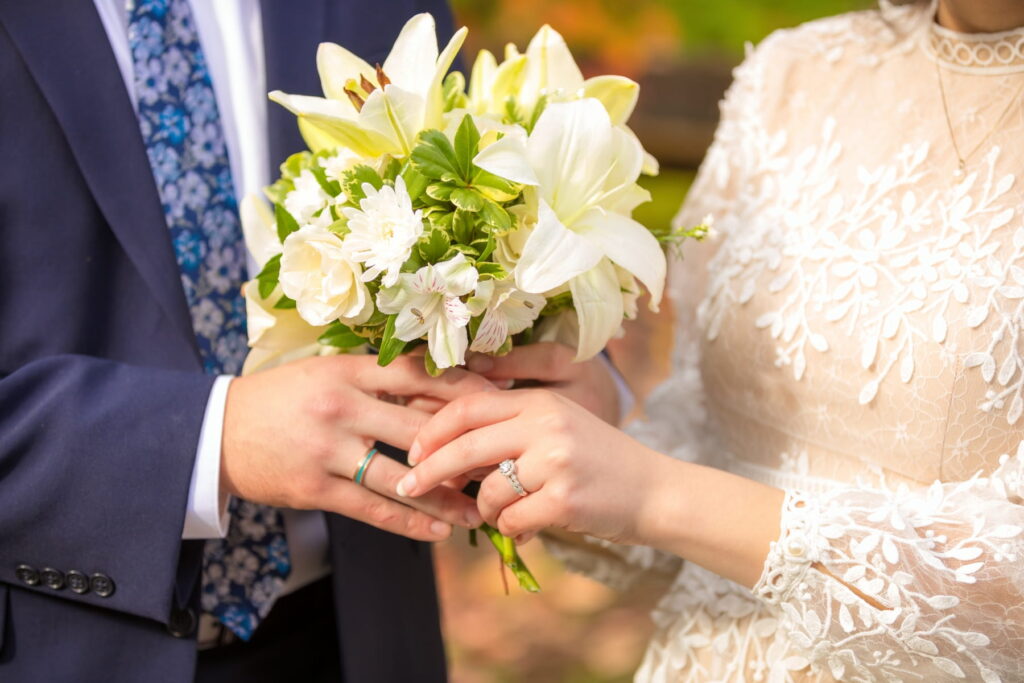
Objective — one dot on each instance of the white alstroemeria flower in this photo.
(326, 285)
(428, 304)
(306, 199)
(275, 335)
(377, 112)
(583, 170)
(507, 310)
(383, 231)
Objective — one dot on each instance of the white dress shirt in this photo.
(231, 33)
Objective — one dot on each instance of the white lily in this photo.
(584, 171)
(374, 112)
(507, 310)
(259, 229)
(428, 304)
(383, 231)
(491, 84)
(275, 335)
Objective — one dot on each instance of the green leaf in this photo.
(279, 190)
(268, 277)
(496, 217)
(331, 187)
(286, 223)
(415, 182)
(294, 165)
(433, 246)
(495, 188)
(463, 226)
(431, 366)
(467, 200)
(355, 177)
(440, 191)
(538, 109)
(391, 169)
(390, 346)
(341, 337)
(493, 271)
(467, 143)
(434, 157)
(284, 303)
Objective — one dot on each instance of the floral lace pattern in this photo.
(875, 300)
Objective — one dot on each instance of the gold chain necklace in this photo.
(962, 158)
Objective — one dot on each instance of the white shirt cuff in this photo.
(207, 512)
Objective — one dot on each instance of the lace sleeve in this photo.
(876, 584)
(675, 419)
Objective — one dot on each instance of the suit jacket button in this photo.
(102, 585)
(27, 574)
(77, 581)
(182, 623)
(52, 578)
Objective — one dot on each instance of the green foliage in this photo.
(268, 277)
(390, 345)
(341, 337)
(286, 223)
(355, 178)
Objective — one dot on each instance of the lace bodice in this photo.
(853, 336)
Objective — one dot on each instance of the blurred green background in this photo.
(682, 53)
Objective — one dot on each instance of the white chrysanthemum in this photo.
(341, 161)
(306, 199)
(383, 231)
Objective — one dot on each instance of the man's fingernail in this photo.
(406, 485)
(440, 529)
(473, 518)
(414, 453)
(481, 363)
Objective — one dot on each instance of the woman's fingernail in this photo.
(473, 518)
(406, 486)
(440, 529)
(505, 383)
(481, 363)
(414, 453)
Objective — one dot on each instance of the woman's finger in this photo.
(478, 448)
(496, 492)
(528, 515)
(464, 415)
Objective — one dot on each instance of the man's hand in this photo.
(590, 384)
(294, 437)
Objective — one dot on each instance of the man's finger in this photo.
(384, 421)
(383, 474)
(347, 498)
(545, 362)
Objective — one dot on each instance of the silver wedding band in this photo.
(508, 469)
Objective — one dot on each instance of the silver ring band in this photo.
(508, 470)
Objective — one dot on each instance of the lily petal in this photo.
(618, 94)
(507, 158)
(325, 125)
(259, 230)
(395, 114)
(598, 303)
(411, 63)
(434, 115)
(629, 245)
(550, 67)
(553, 254)
(337, 66)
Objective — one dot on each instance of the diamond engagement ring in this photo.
(508, 469)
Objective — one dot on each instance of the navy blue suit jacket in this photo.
(101, 389)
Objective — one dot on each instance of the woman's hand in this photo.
(580, 473)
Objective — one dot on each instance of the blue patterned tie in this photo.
(185, 142)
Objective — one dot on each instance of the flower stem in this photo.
(506, 548)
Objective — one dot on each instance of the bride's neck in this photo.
(980, 16)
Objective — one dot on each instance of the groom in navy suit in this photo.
(118, 312)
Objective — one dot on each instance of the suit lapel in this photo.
(66, 49)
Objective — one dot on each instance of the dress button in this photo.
(77, 581)
(182, 623)
(52, 578)
(27, 575)
(102, 585)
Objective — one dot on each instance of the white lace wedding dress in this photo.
(855, 336)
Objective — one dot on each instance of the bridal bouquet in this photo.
(471, 218)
